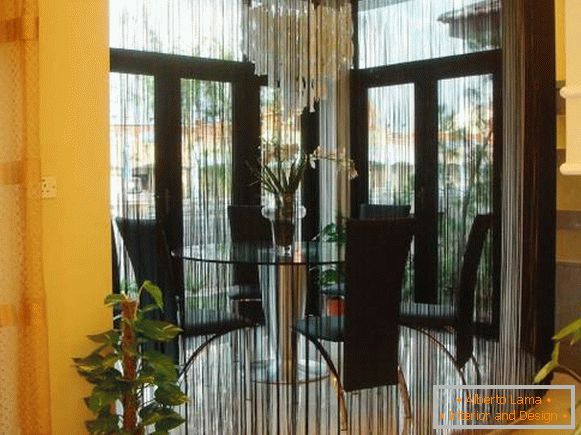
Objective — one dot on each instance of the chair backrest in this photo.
(146, 246)
(149, 253)
(148, 250)
(376, 254)
(247, 225)
(382, 211)
(115, 265)
(466, 287)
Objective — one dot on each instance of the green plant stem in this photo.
(129, 362)
(566, 370)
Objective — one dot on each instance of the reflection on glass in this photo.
(425, 29)
(465, 176)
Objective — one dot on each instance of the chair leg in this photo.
(476, 369)
(199, 350)
(405, 398)
(444, 349)
(336, 382)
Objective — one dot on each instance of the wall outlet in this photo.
(48, 188)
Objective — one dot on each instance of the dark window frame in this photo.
(168, 70)
(425, 75)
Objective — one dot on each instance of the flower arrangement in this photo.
(281, 173)
(284, 166)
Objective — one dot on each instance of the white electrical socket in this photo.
(48, 187)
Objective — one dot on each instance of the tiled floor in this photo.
(225, 400)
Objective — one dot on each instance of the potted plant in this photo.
(330, 276)
(281, 173)
(573, 332)
(120, 370)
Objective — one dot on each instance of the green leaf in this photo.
(96, 368)
(150, 414)
(109, 378)
(555, 353)
(576, 337)
(170, 395)
(108, 337)
(155, 293)
(99, 349)
(114, 299)
(105, 425)
(148, 308)
(157, 330)
(90, 363)
(170, 420)
(100, 399)
(163, 367)
(571, 328)
(545, 371)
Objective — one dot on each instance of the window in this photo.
(428, 123)
(199, 28)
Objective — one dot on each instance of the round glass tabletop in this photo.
(311, 253)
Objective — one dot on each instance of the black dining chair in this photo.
(457, 317)
(115, 265)
(376, 254)
(368, 211)
(149, 252)
(247, 225)
(383, 211)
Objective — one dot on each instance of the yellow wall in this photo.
(568, 187)
(560, 70)
(74, 65)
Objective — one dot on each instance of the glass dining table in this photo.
(283, 284)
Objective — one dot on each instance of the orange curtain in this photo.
(24, 389)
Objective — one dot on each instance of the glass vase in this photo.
(283, 215)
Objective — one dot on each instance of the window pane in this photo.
(392, 155)
(397, 31)
(206, 185)
(201, 28)
(391, 145)
(206, 159)
(132, 157)
(132, 146)
(465, 177)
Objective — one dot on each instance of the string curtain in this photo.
(224, 399)
(200, 28)
(399, 31)
(24, 392)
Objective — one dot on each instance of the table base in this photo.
(273, 372)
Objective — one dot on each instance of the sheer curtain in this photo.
(24, 391)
